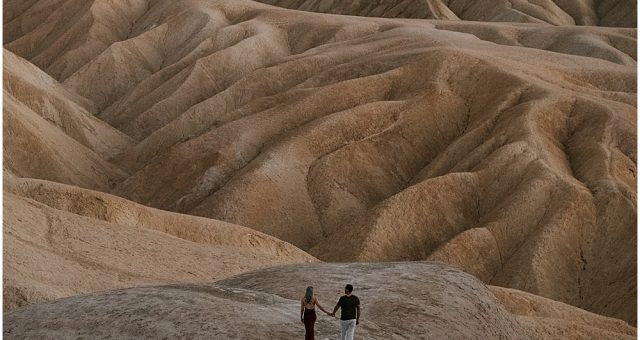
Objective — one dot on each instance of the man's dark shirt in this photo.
(348, 305)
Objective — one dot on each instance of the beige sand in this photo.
(60, 241)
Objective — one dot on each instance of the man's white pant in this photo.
(348, 329)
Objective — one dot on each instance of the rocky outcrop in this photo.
(61, 240)
(554, 12)
(399, 301)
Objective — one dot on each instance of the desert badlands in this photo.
(185, 168)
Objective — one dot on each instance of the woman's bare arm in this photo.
(322, 309)
(302, 310)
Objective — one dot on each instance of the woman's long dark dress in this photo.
(309, 321)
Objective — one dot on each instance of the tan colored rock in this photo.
(68, 31)
(547, 319)
(508, 150)
(555, 12)
(61, 241)
(401, 300)
(61, 107)
(411, 300)
(35, 147)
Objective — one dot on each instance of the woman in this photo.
(308, 312)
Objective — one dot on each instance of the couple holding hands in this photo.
(349, 317)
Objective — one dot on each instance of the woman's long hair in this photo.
(308, 295)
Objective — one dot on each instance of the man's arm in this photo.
(335, 309)
(358, 317)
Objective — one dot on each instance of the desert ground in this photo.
(185, 169)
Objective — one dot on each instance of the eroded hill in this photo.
(399, 300)
(508, 150)
(61, 241)
(619, 13)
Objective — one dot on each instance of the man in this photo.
(350, 316)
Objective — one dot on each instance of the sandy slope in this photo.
(545, 318)
(61, 240)
(399, 300)
(505, 149)
(48, 133)
(65, 109)
(621, 13)
(36, 148)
